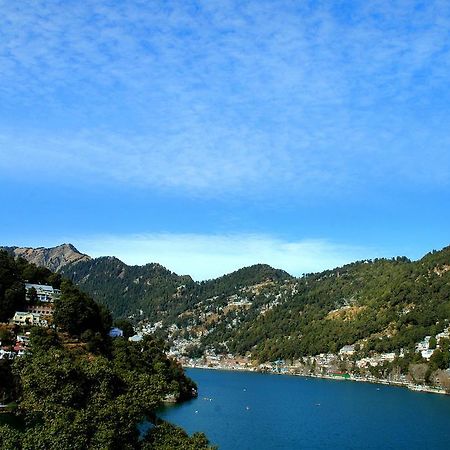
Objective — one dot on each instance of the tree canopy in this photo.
(79, 389)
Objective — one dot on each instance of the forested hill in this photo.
(127, 290)
(381, 304)
(154, 292)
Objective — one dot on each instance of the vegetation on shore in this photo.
(77, 388)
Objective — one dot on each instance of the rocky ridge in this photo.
(53, 258)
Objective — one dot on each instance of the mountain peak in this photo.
(68, 246)
(53, 258)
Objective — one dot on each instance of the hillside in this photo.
(381, 305)
(150, 291)
(53, 258)
(127, 290)
(73, 386)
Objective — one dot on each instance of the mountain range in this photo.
(381, 304)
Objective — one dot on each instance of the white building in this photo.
(347, 350)
(4, 354)
(45, 293)
(423, 345)
(44, 309)
(426, 354)
(28, 319)
(444, 335)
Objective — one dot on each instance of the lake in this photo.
(244, 410)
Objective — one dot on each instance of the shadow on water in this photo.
(149, 422)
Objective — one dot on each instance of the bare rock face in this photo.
(53, 258)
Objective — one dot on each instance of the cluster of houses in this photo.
(324, 364)
(423, 347)
(39, 306)
(213, 361)
(19, 348)
(38, 312)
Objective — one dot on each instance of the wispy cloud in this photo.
(216, 97)
(209, 256)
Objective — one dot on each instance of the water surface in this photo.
(242, 410)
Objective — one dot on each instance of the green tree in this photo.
(432, 343)
(75, 312)
(72, 399)
(10, 438)
(439, 360)
(32, 295)
(6, 337)
(43, 339)
(166, 436)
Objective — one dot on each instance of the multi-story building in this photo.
(44, 309)
(28, 319)
(45, 293)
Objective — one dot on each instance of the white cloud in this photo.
(227, 96)
(209, 256)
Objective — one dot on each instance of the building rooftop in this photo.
(42, 287)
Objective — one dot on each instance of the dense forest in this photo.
(154, 290)
(127, 290)
(76, 387)
(382, 305)
(385, 304)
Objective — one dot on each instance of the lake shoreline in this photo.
(409, 386)
(244, 409)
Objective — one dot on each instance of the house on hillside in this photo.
(347, 350)
(444, 335)
(115, 332)
(24, 339)
(28, 319)
(44, 309)
(45, 293)
(6, 354)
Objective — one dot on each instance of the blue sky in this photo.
(211, 135)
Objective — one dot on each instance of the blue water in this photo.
(258, 411)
